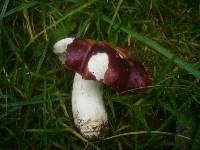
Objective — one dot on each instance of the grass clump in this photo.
(35, 89)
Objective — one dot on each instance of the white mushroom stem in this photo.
(87, 99)
(88, 108)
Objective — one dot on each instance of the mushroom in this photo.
(97, 62)
(89, 113)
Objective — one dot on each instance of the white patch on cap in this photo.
(60, 48)
(98, 64)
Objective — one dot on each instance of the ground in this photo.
(35, 89)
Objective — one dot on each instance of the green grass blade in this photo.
(3, 11)
(114, 16)
(31, 102)
(158, 48)
(12, 46)
(71, 12)
(21, 7)
(65, 129)
(9, 112)
(149, 132)
(40, 65)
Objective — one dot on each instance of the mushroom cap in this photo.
(60, 47)
(99, 60)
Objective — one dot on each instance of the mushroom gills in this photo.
(88, 108)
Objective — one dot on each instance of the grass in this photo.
(35, 89)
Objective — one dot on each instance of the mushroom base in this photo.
(91, 129)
